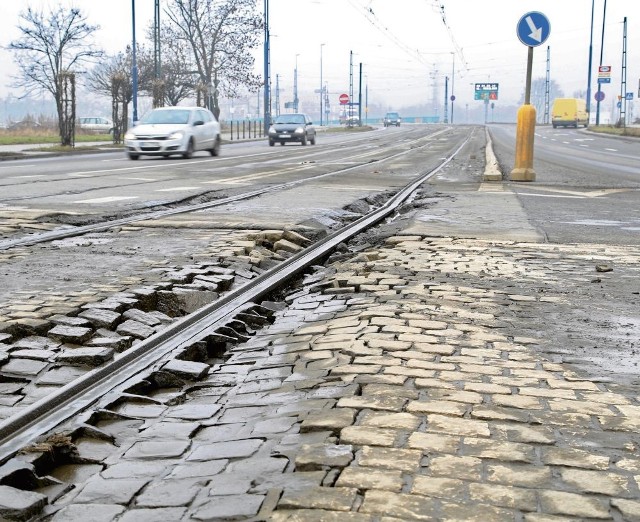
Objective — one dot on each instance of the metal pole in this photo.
(295, 86)
(527, 95)
(545, 118)
(446, 99)
(360, 96)
(134, 68)
(267, 79)
(156, 38)
(321, 92)
(590, 61)
(453, 75)
(604, 15)
(623, 82)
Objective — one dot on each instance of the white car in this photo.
(166, 131)
(96, 125)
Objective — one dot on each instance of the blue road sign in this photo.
(599, 96)
(604, 80)
(629, 96)
(533, 29)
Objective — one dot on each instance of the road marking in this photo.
(139, 179)
(612, 150)
(107, 199)
(575, 193)
(583, 145)
(177, 189)
(252, 177)
(19, 166)
(27, 176)
(549, 196)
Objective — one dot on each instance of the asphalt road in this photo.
(586, 187)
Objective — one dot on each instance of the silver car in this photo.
(166, 131)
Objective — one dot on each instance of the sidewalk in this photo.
(416, 380)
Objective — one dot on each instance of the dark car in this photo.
(292, 128)
(392, 118)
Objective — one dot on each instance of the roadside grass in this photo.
(618, 131)
(28, 137)
(344, 128)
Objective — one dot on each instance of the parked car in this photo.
(292, 128)
(96, 125)
(166, 131)
(392, 118)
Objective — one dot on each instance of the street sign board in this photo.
(485, 91)
(604, 80)
(628, 96)
(343, 99)
(599, 96)
(533, 29)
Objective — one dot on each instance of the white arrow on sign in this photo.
(536, 32)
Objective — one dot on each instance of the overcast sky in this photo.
(405, 46)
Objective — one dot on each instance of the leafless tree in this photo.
(221, 35)
(50, 47)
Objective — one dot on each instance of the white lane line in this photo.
(583, 145)
(27, 176)
(107, 199)
(612, 150)
(177, 189)
(18, 166)
(549, 196)
(139, 179)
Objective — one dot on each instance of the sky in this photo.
(406, 47)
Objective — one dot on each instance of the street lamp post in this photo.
(295, 86)
(321, 89)
(590, 62)
(604, 16)
(453, 75)
(134, 66)
(267, 79)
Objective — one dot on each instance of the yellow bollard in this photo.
(525, 133)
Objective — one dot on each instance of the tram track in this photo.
(99, 386)
(364, 158)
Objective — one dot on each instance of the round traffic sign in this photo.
(453, 98)
(533, 29)
(599, 96)
(344, 99)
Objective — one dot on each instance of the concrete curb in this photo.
(492, 170)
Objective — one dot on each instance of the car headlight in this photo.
(176, 135)
(129, 136)
(299, 130)
(272, 130)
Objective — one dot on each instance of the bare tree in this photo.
(49, 48)
(221, 35)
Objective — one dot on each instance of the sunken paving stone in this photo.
(16, 504)
(70, 334)
(186, 369)
(86, 356)
(135, 329)
(83, 512)
(101, 318)
(142, 317)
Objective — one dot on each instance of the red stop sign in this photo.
(344, 99)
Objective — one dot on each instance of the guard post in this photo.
(533, 29)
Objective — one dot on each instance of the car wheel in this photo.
(271, 143)
(189, 152)
(133, 156)
(215, 151)
(282, 143)
(304, 140)
(313, 140)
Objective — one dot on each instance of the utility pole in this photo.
(295, 86)
(545, 118)
(350, 109)
(156, 39)
(604, 16)
(267, 79)
(446, 99)
(453, 75)
(623, 84)
(277, 95)
(321, 91)
(593, 2)
(134, 67)
(360, 97)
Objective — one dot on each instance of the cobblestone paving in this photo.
(395, 386)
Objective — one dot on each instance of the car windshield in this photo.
(289, 118)
(164, 116)
(392, 115)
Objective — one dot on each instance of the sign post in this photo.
(533, 29)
